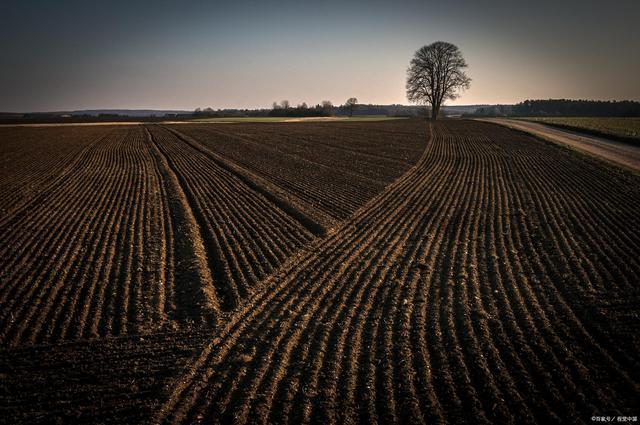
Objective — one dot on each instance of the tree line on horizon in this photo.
(564, 107)
(323, 109)
(540, 107)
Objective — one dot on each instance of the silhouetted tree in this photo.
(351, 104)
(284, 109)
(435, 74)
(327, 107)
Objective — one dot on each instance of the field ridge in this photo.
(316, 222)
(196, 296)
(74, 160)
(237, 321)
(491, 277)
(246, 235)
(88, 261)
(456, 296)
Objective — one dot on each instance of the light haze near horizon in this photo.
(182, 55)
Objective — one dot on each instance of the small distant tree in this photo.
(435, 74)
(327, 107)
(285, 104)
(275, 106)
(351, 104)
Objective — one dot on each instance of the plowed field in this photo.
(391, 272)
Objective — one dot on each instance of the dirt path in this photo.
(192, 271)
(617, 152)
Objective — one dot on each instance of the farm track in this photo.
(482, 286)
(193, 287)
(301, 177)
(307, 215)
(245, 235)
(109, 248)
(333, 178)
(620, 152)
(132, 230)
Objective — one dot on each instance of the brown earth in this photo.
(128, 230)
(321, 272)
(618, 152)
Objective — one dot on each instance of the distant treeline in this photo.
(324, 109)
(565, 108)
(278, 110)
(387, 110)
(531, 108)
(54, 118)
(284, 109)
(228, 113)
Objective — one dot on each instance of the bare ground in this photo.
(492, 279)
(617, 152)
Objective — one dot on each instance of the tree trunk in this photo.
(434, 112)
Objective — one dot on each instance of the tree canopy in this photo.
(436, 74)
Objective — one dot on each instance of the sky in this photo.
(69, 55)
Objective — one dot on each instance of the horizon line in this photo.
(310, 105)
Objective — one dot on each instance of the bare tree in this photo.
(351, 103)
(436, 74)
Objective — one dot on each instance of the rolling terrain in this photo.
(317, 273)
